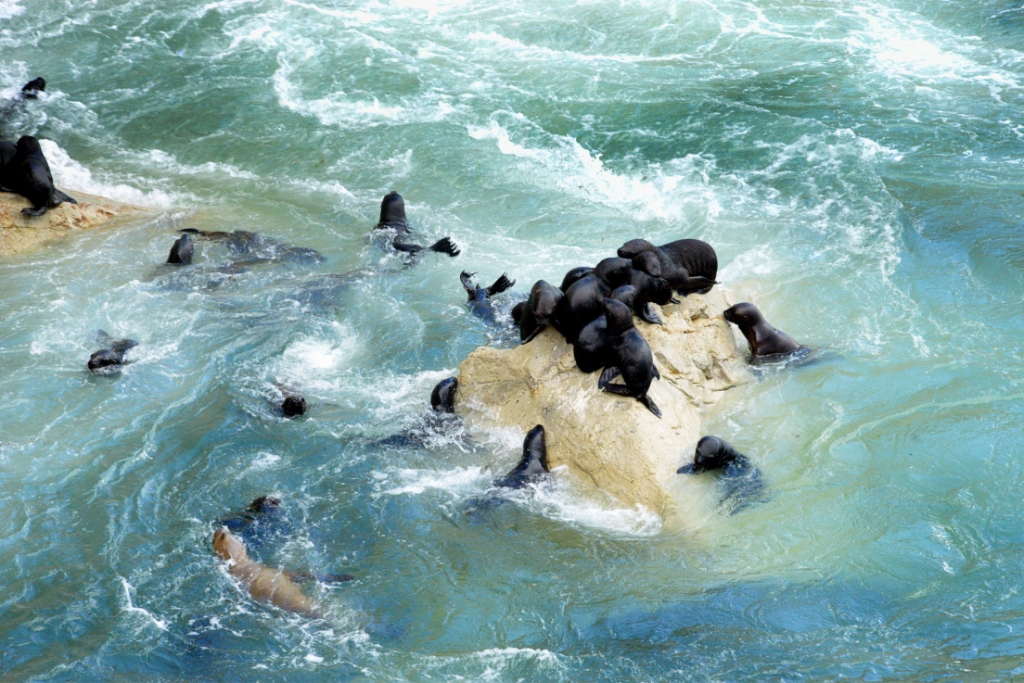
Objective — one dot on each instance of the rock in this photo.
(20, 233)
(611, 442)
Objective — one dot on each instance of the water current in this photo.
(857, 165)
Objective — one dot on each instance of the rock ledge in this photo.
(20, 233)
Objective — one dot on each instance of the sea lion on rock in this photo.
(591, 348)
(442, 398)
(28, 174)
(573, 275)
(538, 312)
(583, 301)
(631, 357)
(392, 216)
(8, 150)
(181, 251)
(109, 359)
(766, 342)
(479, 297)
(742, 478)
(650, 289)
(532, 466)
(689, 265)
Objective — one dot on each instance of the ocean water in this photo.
(857, 165)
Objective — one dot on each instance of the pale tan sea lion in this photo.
(276, 587)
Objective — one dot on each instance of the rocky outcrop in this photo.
(611, 442)
(20, 233)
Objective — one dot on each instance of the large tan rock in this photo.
(20, 233)
(609, 441)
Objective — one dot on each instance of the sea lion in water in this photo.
(742, 478)
(583, 301)
(255, 248)
(181, 251)
(532, 466)
(479, 297)
(689, 265)
(293, 405)
(392, 216)
(110, 358)
(765, 341)
(442, 398)
(631, 357)
(28, 174)
(253, 525)
(538, 312)
(31, 90)
(277, 587)
(591, 349)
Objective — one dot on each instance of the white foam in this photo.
(563, 503)
(458, 480)
(129, 607)
(69, 175)
(318, 361)
(10, 9)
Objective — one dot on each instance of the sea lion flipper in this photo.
(673, 300)
(500, 285)
(657, 375)
(607, 375)
(60, 197)
(537, 330)
(648, 316)
(407, 248)
(445, 246)
(646, 400)
(34, 211)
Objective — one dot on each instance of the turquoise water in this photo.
(855, 163)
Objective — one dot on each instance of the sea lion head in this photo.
(31, 90)
(619, 316)
(228, 546)
(634, 248)
(392, 210)
(545, 300)
(442, 398)
(650, 288)
(264, 504)
(743, 314)
(293, 406)
(614, 271)
(648, 262)
(104, 359)
(28, 145)
(535, 448)
(712, 453)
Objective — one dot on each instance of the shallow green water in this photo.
(856, 165)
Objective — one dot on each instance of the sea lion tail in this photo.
(445, 246)
(500, 285)
(59, 198)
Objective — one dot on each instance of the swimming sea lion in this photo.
(689, 265)
(573, 275)
(765, 341)
(392, 215)
(181, 251)
(583, 301)
(266, 585)
(479, 297)
(109, 358)
(255, 248)
(631, 357)
(533, 464)
(29, 175)
(539, 311)
(293, 405)
(742, 477)
(591, 349)
(31, 90)
(442, 398)
(262, 516)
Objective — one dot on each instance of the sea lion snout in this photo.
(227, 546)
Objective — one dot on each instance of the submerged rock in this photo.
(20, 233)
(612, 442)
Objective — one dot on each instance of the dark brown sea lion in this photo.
(689, 265)
(591, 350)
(28, 174)
(742, 478)
(181, 251)
(392, 216)
(765, 341)
(532, 466)
(573, 275)
(112, 357)
(631, 357)
(480, 297)
(539, 311)
(442, 398)
(583, 300)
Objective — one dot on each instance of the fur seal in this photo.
(392, 216)
(532, 466)
(181, 251)
(31, 90)
(629, 355)
(765, 341)
(255, 523)
(689, 265)
(573, 275)
(8, 150)
(650, 289)
(743, 478)
(591, 347)
(442, 398)
(29, 175)
(584, 300)
(294, 405)
(255, 248)
(108, 359)
(479, 297)
(538, 312)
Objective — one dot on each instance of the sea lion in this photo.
(276, 587)
(532, 466)
(583, 301)
(650, 289)
(591, 348)
(109, 359)
(538, 312)
(573, 275)
(28, 174)
(392, 216)
(766, 342)
(479, 297)
(293, 405)
(630, 356)
(255, 524)
(181, 251)
(689, 265)
(255, 248)
(31, 90)
(8, 150)
(442, 398)
(742, 478)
